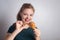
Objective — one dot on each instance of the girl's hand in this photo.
(20, 25)
(37, 32)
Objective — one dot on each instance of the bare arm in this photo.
(19, 28)
(11, 36)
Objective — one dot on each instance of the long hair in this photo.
(24, 6)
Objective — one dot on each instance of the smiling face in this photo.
(27, 15)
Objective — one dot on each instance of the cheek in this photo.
(24, 17)
(31, 18)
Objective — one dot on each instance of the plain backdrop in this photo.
(46, 17)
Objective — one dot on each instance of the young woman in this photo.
(24, 28)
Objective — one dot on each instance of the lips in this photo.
(27, 20)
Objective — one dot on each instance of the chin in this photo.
(27, 22)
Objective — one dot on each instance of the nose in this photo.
(28, 17)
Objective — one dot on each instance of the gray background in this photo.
(47, 16)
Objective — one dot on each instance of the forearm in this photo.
(12, 36)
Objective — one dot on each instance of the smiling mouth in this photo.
(27, 20)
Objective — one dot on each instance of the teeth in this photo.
(27, 20)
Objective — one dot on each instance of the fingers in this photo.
(25, 26)
(19, 22)
(37, 32)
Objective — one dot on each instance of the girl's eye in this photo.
(31, 15)
(25, 14)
